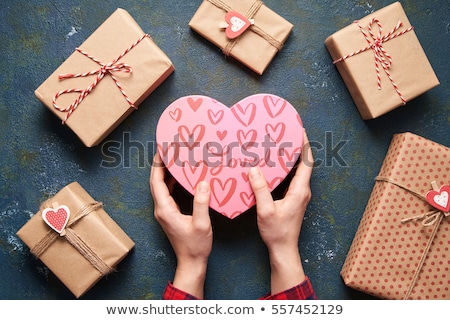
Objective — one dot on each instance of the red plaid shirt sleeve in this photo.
(302, 291)
(172, 293)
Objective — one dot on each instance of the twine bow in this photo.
(85, 250)
(105, 69)
(431, 218)
(382, 57)
(428, 219)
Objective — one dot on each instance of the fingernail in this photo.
(203, 186)
(254, 173)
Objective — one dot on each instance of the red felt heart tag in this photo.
(237, 24)
(440, 199)
(56, 218)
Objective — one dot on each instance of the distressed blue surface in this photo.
(38, 156)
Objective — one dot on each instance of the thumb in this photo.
(264, 200)
(200, 212)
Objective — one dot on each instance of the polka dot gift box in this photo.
(401, 249)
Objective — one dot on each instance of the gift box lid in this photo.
(199, 138)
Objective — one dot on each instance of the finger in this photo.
(171, 182)
(158, 187)
(306, 165)
(307, 156)
(264, 200)
(200, 211)
(301, 180)
(157, 173)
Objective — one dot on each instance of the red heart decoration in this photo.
(237, 24)
(440, 199)
(56, 218)
(219, 144)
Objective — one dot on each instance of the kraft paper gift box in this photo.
(94, 114)
(257, 45)
(84, 250)
(401, 247)
(383, 41)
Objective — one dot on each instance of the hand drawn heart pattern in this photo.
(200, 138)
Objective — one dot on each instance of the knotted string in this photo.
(85, 250)
(431, 218)
(105, 69)
(254, 27)
(382, 57)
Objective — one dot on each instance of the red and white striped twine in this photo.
(381, 56)
(106, 68)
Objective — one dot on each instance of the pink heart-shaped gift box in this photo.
(200, 138)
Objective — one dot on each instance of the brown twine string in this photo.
(45, 242)
(398, 184)
(87, 252)
(428, 219)
(424, 256)
(78, 243)
(249, 15)
(221, 5)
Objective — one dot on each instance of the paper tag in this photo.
(56, 218)
(440, 199)
(235, 24)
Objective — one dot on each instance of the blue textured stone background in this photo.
(39, 156)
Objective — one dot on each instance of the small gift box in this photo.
(400, 250)
(247, 30)
(381, 61)
(105, 79)
(75, 238)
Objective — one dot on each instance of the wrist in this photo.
(190, 277)
(283, 259)
(279, 254)
(286, 269)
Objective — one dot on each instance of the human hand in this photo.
(190, 235)
(279, 222)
